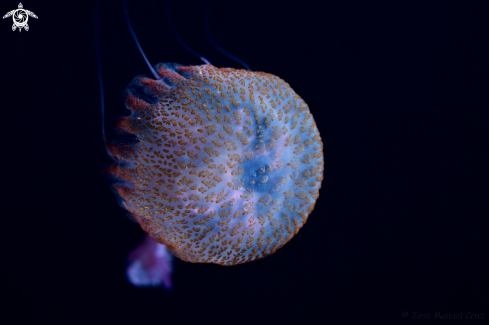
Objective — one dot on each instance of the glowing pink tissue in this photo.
(150, 264)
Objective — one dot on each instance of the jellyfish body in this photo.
(227, 166)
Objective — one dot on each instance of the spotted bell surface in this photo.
(227, 165)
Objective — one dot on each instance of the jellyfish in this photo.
(226, 166)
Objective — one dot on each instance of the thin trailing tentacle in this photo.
(126, 14)
(99, 65)
(179, 39)
(211, 40)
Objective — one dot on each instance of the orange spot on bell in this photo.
(125, 124)
(136, 104)
(169, 75)
(125, 192)
(125, 173)
(155, 86)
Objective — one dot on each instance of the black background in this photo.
(399, 93)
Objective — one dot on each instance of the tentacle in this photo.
(126, 14)
(99, 67)
(179, 39)
(211, 40)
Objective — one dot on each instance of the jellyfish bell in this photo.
(227, 166)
